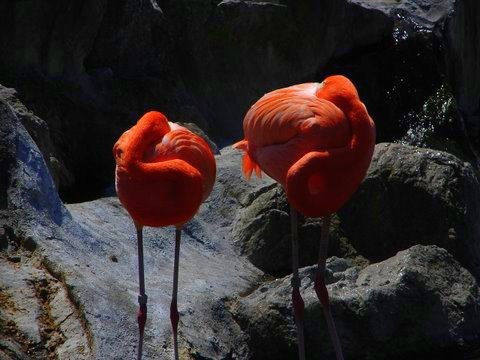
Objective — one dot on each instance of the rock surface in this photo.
(91, 252)
(39, 131)
(462, 36)
(410, 196)
(417, 303)
(262, 232)
(415, 196)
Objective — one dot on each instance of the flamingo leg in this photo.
(174, 316)
(321, 289)
(142, 297)
(297, 301)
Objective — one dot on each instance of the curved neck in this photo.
(142, 136)
(363, 129)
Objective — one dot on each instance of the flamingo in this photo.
(163, 173)
(317, 141)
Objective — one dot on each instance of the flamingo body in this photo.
(163, 171)
(315, 139)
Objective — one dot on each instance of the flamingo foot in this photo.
(174, 316)
(321, 291)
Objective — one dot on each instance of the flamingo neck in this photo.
(363, 130)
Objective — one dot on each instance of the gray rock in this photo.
(262, 232)
(425, 13)
(85, 299)
(415, 196)
(419, 302)
(39, 131)
(410, 196)
(462, 59)
(53, 39)
(28, 194)
(37, 316)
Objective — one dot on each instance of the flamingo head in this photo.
(134, 143)
(339, 90)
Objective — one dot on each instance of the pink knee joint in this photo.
(174, 316)
(142, 312)
(298, 305)
(321, 290)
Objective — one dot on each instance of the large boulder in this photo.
(410, 196)
(420, 302)
(262, 232)
(415, 196)
(76, 267)
(40, 132)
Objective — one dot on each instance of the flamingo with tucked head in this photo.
(163, 174)
(317, 141)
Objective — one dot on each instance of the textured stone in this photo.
(39, 131)
(262, 232)
(415, 196)
(420, 302)
(88, 302)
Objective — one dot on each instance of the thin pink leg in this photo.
(174, 316)
(142, 298)
(297, 301)
(321, 289)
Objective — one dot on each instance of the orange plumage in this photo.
(163, 172)
(315, 139)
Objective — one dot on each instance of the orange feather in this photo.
(315, 139)
(163, 171)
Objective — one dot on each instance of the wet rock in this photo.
(419, 302)
(438, 126)
(425, 13)
(415, 196)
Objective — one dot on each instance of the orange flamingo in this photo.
(163, 173)
(317, 141)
